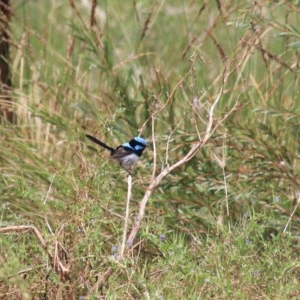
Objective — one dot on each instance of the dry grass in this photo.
(156, 68)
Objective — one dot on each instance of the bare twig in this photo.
(56, 263)
(93, 10)
(22, 228)
(123, 245)
(293, 212)
(210, 129)
(169, 99)
(154, 147)
(222, 161)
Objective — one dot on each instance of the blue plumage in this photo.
(126, 154)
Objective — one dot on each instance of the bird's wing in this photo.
(121, 152)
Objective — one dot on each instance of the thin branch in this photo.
(293, 212)
(22, 228)
(123, 245)
(222, 161)
(56, 263)
(168, 143)
(168, 169)
(170, 97)
(153, 146)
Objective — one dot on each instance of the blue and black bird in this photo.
(126, 154)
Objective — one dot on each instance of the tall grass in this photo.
(214, 225)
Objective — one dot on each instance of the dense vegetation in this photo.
(223, 224)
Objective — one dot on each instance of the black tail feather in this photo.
(100, 143)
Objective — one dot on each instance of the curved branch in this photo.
(194, 149)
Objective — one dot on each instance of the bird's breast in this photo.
(129, 160)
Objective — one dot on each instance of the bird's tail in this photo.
(100, 143)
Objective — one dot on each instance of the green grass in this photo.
(71, 78)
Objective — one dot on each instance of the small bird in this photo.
(126, 154)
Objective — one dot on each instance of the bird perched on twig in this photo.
(126, 154)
